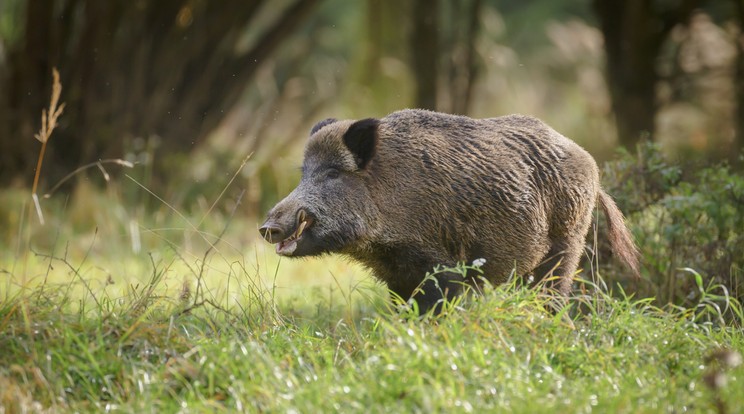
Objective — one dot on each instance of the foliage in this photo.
(682, 216)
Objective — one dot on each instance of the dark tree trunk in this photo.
(463, 68)
(739, 85)
(634, 32)
(425, 52)
(28, 85)
(170, 68)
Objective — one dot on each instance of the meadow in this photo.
(140, 284)
(109, 308)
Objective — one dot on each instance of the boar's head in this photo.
(332, 209)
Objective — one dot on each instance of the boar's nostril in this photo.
(271, 232)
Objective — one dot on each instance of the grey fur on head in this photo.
(321, 124)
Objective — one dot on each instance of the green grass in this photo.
(87, 323)
(153, 348)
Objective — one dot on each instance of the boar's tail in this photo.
(620, 238)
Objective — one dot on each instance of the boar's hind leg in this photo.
(567, 246)
(561, 262)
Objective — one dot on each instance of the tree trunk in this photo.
(28, 86)
(463, 68)
(631, 45)
(634, 32)
(425, 52)
(739, 86)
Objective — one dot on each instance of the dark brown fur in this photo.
(418, 189)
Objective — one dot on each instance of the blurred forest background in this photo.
(186, 89)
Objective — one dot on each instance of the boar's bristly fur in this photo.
(416, 189)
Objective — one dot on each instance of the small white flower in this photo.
(479, 262)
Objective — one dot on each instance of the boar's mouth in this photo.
(288, 246)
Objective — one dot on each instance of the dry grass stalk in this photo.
(48, 123)
(99, 164)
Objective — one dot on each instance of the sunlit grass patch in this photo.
(224, 280)
(205, 318)
(502, 351)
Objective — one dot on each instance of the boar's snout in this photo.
(287, 232)
(271, 232)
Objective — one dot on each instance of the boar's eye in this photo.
(332, 173)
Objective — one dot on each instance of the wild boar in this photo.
(417, 189)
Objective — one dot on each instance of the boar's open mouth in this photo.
(288, 246)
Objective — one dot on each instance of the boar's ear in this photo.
(321, 124)
(361, 138)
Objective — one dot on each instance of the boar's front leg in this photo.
(430, 293)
